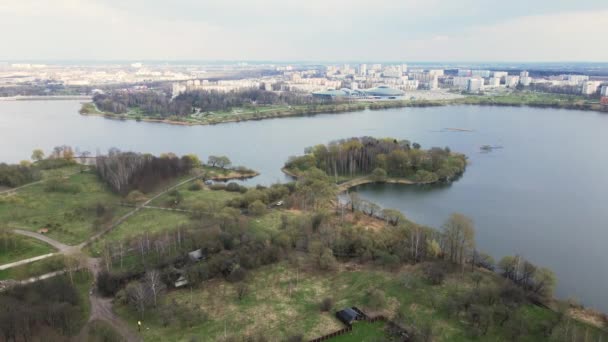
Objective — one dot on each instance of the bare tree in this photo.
(155, 284)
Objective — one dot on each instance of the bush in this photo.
(135, 197)
(108, 284)
(376, 299)
(196, 186)
(234, 187)
(257, 208)
(238, 274)
(217, 186)
(56, 184)
(326, 304)
(435, 272)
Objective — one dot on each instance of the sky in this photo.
(305, 30)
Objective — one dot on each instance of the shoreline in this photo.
(355, 107)
(349, 184)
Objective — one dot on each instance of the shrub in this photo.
(108, 284)
(217, 186)
(326, 304)
(232, 186)
(196, 186)
(435, 272)
(135, 196)
(257, 208)
(238, 274)
(57, 184)
(376, 299)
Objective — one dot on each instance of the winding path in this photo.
(101, 308)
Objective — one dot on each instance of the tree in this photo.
(136, 295)
(154, 283)
(257, 208)
(379, 175)
(393, 216)
(37, 155)
(459, 238)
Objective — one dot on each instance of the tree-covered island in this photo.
(356, 161)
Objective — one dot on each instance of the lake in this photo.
(542, 195)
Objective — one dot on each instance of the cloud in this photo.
(571, 36)
(302, 30)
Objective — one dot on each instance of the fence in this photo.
(392, 325)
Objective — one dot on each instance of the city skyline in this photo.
(273, 30)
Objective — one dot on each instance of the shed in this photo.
(181, 281)
(348, 316)
(196, 255)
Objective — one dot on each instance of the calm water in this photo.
(543, 195)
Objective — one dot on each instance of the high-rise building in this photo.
(500, 74)
(494, 82)
(589, 87)
(480, 73)
(362, 69)
(523, 74)
(474, 85)
(464, 72)
(604, 91)
(511, 81)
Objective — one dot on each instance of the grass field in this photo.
(34, 269)
(70, 217)
(280, 302)
(192, 197)
(21, 247)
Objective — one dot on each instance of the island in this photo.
(357, 161)
(132, 246)
(205, 107)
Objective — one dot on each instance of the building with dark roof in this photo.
(348, 316)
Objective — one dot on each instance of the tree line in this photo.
(395, 158)
(46, 310)
(160, 103)
(127, 171)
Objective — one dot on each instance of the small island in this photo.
(356, 161)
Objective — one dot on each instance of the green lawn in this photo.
(15, 247)
(280, 302)
(34, 269)
(70, 217)
(192, 197)
(363, 332)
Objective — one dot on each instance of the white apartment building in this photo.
(460, 82)
(511, 81)
(474, 85)
(604, 91)
(436, 72)
(464, 72)
(480, 73)
(500, 74)
(494, 82)
(590, 87)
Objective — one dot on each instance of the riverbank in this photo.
(345, 186)
(519, 99)
(47, 98)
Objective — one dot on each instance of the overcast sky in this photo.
(315, 30)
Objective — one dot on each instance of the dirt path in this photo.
(101, 310)
(25, 261)
(61, 247)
